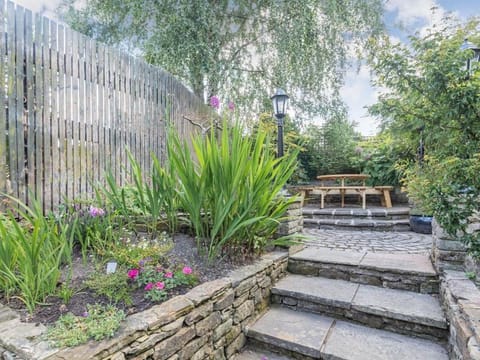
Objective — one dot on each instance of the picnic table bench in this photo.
(347, 184)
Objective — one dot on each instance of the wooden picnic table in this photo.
(352, 184)
(343, 177)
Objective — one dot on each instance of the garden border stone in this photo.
(207, 322)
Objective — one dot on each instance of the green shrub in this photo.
(113, 286)
(97, 323)
(449, 189)
(231, 191)
(130, 252)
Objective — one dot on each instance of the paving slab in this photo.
(355, 342)
(399, 263)
(330, 256)
(401, 305)
(295, 331)
(338, 293)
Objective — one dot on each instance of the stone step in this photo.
(401, 311)
(395, 213)
(252, 353)
(357, 224)
(311, 336)
(413, 272)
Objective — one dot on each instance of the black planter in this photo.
(421, 224)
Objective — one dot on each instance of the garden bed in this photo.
(208, 321)
(183, 253)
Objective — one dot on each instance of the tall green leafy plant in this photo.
(41, 245)
(151, 195)
(8, 254)
(230, 189)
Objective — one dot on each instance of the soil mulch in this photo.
(184, 252)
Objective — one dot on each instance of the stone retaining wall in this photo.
(448, 253)
(460, 298)
(459, 295)
(294, 219)
(206, 323)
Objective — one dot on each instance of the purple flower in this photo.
(215, 102)
(94, 211)
(85, 314)
(231, 105)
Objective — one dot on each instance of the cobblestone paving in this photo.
(405, 242)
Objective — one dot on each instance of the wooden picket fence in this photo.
(71, 106)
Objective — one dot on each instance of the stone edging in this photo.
(207, 322)
(460, 298)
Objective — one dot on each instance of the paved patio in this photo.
(373, 241)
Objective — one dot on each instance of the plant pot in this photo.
(421, 224)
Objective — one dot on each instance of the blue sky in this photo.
(414, 15)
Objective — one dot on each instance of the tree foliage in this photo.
(430, 94)
(240, 49)
(330, 148)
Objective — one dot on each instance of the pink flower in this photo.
(169, 274)
(231, 105)
(133, 273)
(148, 287)
(94, 211)
(159, 285)
(215, 102)
(187, 270)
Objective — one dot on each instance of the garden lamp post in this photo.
(467, 45)
(279, 100)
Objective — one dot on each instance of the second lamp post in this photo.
(279, 100)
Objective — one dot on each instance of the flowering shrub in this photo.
(156, 281)
(130, 252)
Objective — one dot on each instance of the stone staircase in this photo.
(374, 219)
(342, 305)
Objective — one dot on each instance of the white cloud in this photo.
(409, 12)
(358, 93)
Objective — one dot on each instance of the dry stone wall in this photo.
(460, 298)
(208, 322)
(448, 253)
(294, 219)
(459, 295)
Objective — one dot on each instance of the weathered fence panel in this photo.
(70, 107)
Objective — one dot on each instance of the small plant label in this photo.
(111, 267)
